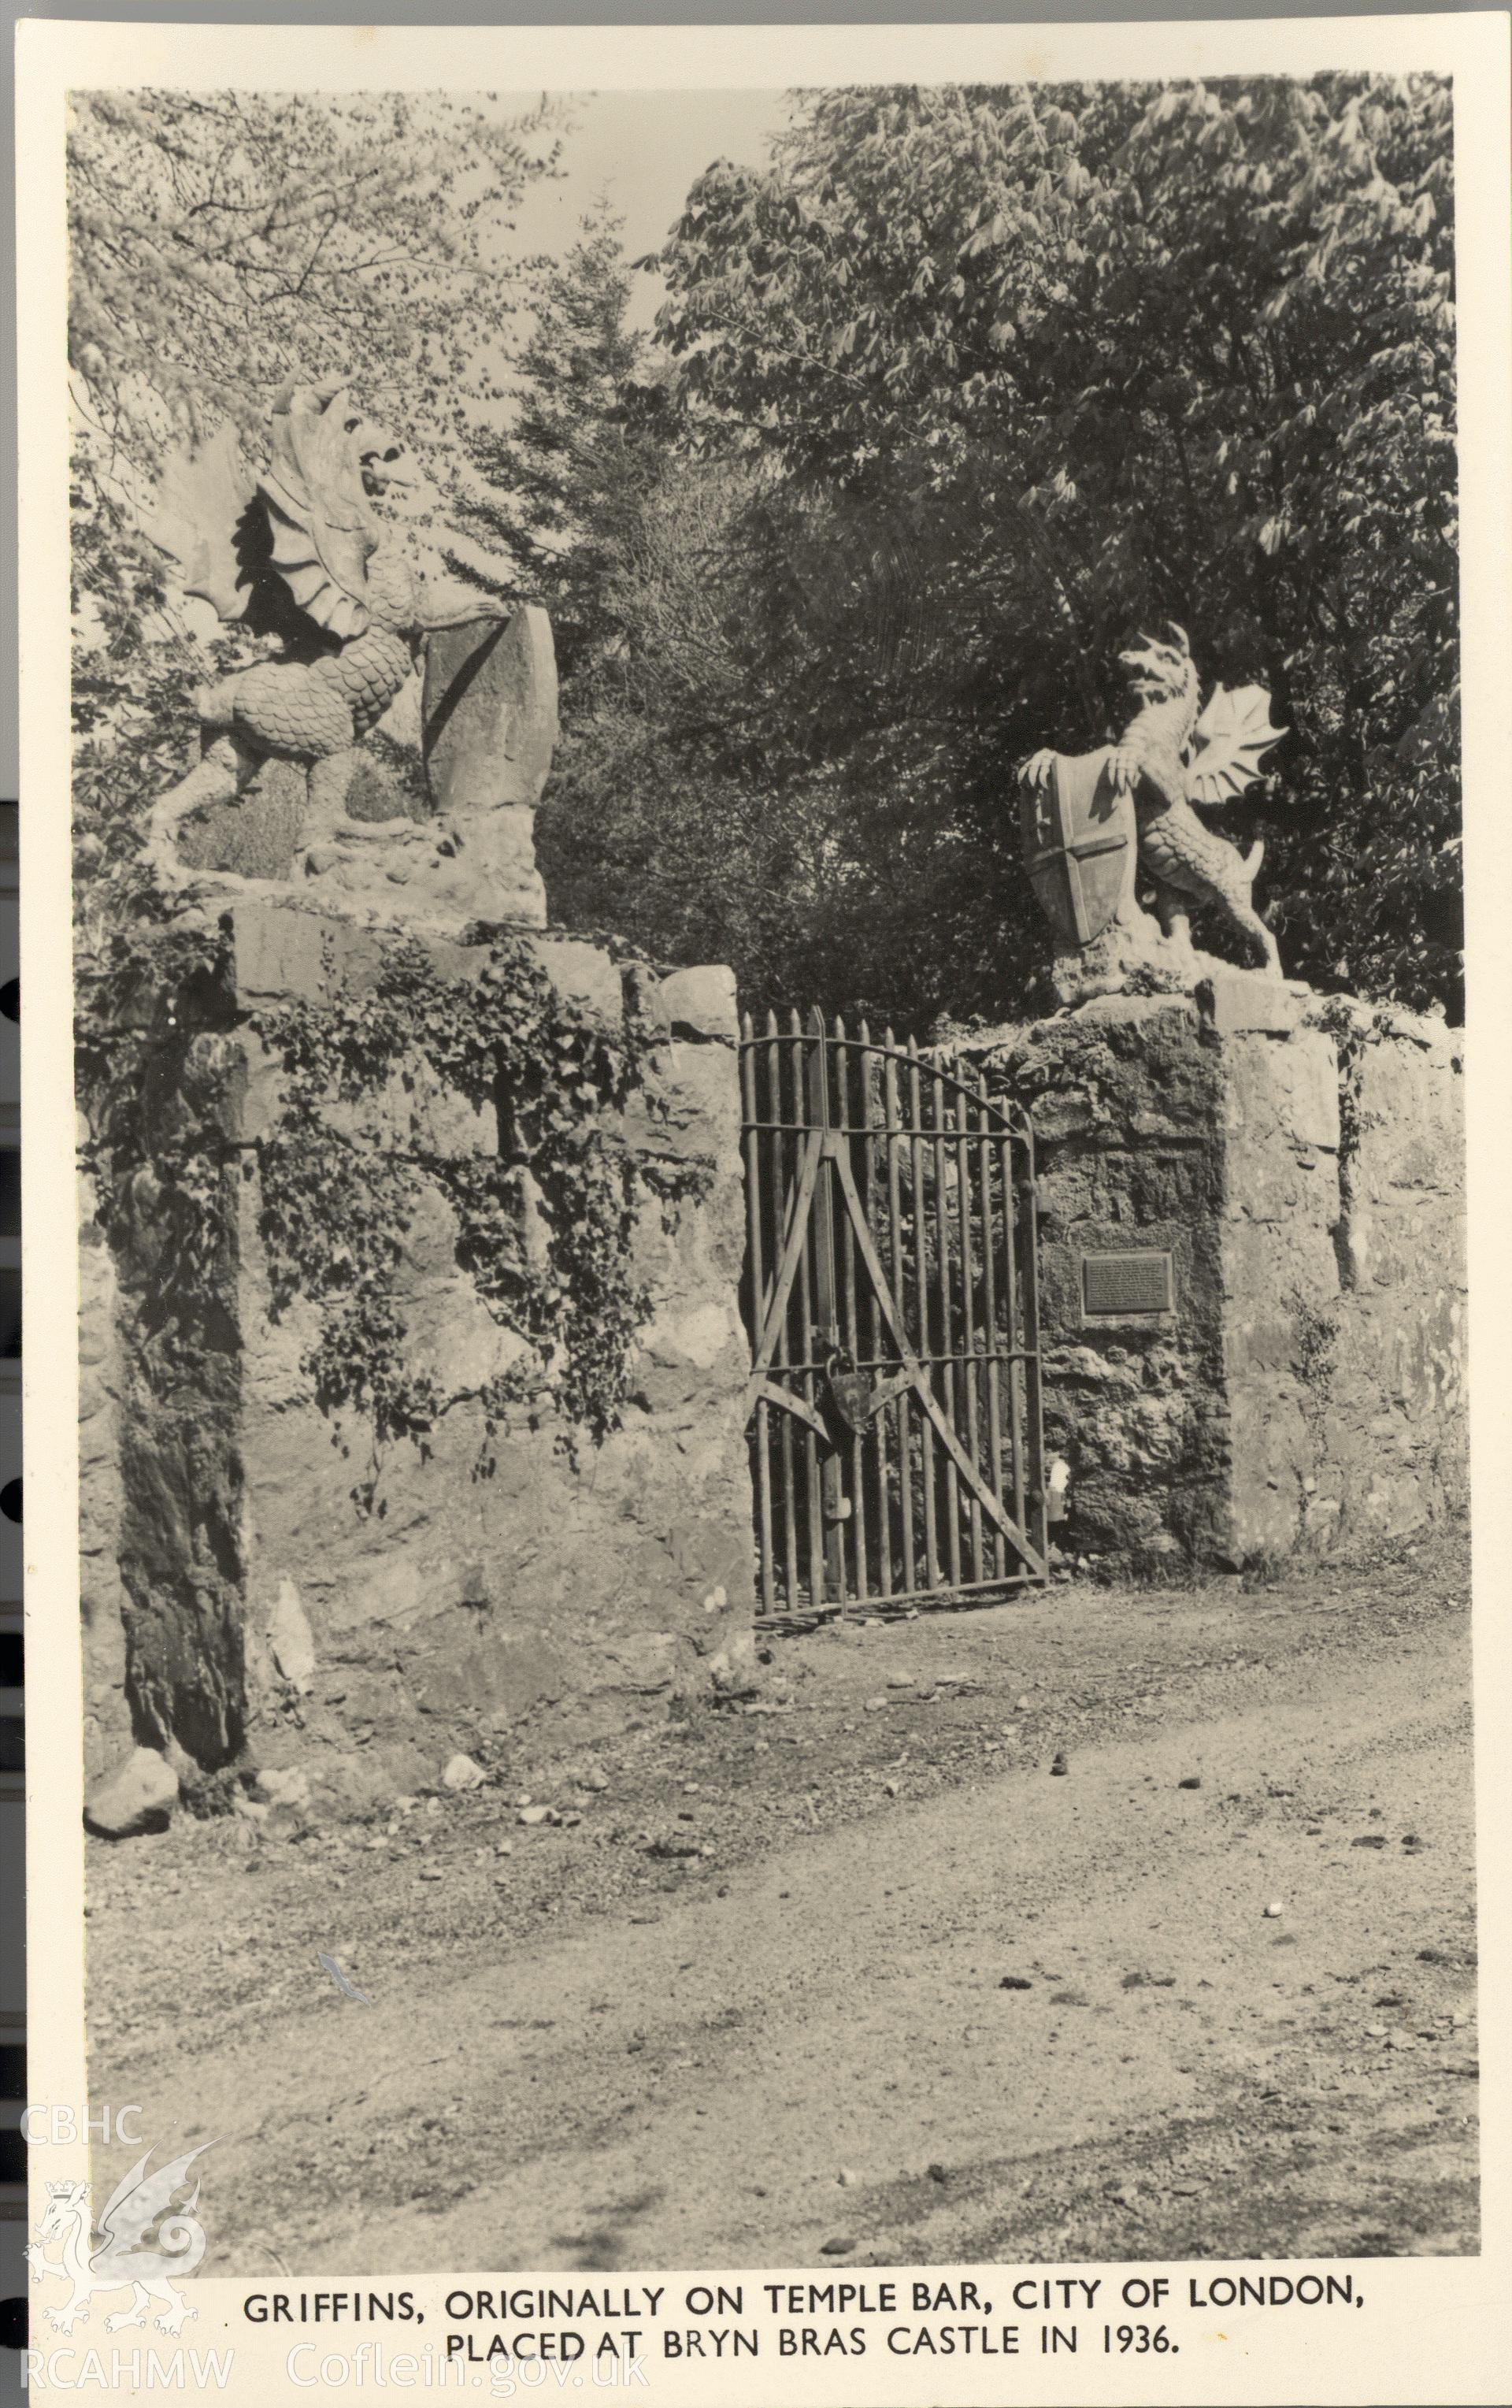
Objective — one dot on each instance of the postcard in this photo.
(765, 893)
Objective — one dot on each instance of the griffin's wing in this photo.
(201, 497)
(321, 530)
(135, 2206)
(1232, 737)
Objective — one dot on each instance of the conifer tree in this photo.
(564, 479)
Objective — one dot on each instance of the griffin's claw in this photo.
(1037, 771)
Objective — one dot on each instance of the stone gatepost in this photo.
(298, 1590)
(301, 1591)
(1251, 1207)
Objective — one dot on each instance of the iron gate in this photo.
(896, 1426)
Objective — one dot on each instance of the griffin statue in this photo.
(1091, 820)
(297, 557)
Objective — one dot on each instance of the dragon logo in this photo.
(143, 2239)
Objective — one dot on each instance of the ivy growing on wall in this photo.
(545, 1221)
(145, 1000)
(543, 1225)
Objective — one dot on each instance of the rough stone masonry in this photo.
(292, 1595)
(1253, 1310)
(1253, 1281)
(267, 1587)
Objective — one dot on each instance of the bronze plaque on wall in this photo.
(1116, 1286)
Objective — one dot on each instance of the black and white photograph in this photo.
(769, 977)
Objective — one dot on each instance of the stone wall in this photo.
(1300, 1163)
(107, 1714)
(297, 1595)
(1392, 1391)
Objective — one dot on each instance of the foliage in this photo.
(679, 811)
(684, 814)
(964, 390)
(142, 1000)
(338, 1196)
(223, 243)
(558, 488)
(1030, 367)
(545, 1223)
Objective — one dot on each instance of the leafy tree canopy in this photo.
(961, 392)
(221, 244)
(1029, 368)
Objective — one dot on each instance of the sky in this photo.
(645, 149)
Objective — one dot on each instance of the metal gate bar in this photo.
(896, 1418)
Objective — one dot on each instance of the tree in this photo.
(221, 245)
(559, 485)
(1034, 367)
(678, 815)
(690, 808)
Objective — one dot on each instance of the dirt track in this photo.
(592, 2053)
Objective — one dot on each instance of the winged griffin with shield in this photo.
(1089, 820)
(298, 557)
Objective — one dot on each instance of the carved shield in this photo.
(490, 711)
(1081, 840)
